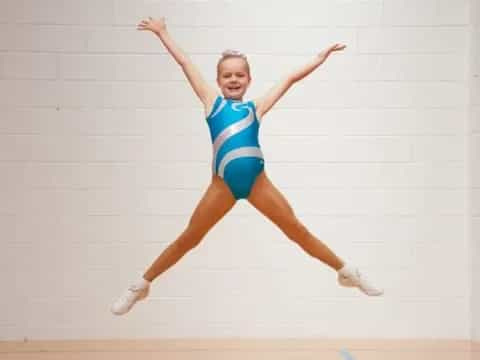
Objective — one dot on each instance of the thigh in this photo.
(266, 198)
(214, 204)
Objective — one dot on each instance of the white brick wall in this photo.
(474, 159)
(104, 155)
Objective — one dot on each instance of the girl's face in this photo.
(233, 78)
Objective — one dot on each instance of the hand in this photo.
(154, 25)
(326, 53)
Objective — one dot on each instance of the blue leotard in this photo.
(237, 157)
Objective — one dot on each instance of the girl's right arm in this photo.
(205, 92)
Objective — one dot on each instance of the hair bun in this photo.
(230, 52)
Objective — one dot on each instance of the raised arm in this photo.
(265, 103)
(205, 93)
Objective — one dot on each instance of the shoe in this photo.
(126, 301)
(351, 277)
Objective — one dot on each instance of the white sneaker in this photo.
(126, 301)
(351, 277)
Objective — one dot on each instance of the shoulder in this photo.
(211, 102)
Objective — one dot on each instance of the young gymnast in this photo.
(237, 166)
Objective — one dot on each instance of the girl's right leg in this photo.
(216, 202)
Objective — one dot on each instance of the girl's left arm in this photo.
(265, 103)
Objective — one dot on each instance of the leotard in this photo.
(237, 157)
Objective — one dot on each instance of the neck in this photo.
(232, 99)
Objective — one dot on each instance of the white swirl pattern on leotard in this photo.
(246, 151)
(220, 107)
(227, 133)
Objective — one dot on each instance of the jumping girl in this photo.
(238, 165)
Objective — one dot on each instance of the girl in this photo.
(237, 166)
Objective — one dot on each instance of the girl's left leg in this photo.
(270, 202)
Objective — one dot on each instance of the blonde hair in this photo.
(227, 54)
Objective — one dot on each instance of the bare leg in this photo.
(269, 201)
(216, 202)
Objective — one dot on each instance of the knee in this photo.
(190, 238)
(295, 230)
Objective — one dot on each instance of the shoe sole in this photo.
(346, 282)
(142, 297)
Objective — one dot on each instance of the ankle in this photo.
(143, 283)
(346, 270)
